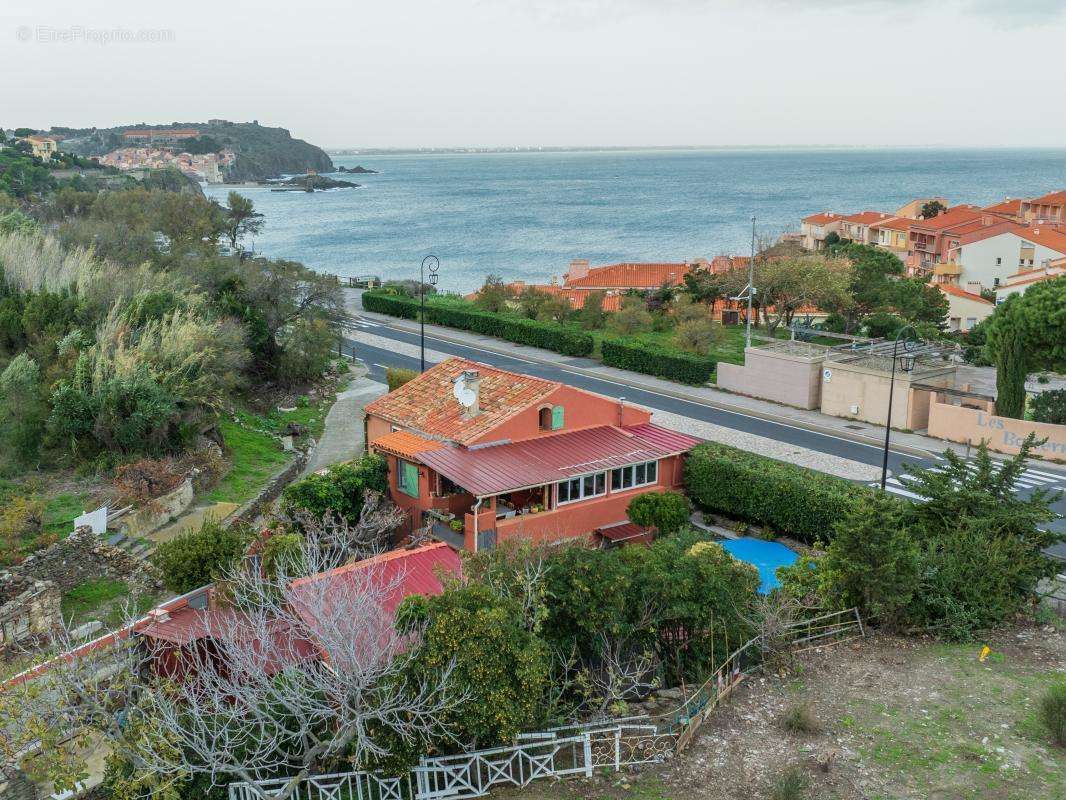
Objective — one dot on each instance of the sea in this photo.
(526, 215)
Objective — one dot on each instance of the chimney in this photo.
(579, 268)
(159, 615)
(471, 379)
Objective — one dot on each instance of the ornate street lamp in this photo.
(434, 265)
(909, 339)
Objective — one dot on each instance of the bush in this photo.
(1053, 712)
(146, 479)
(792, 783)
(800, 718)
(339, 491)
(1050, 407)
(21, 520)
(396, 377)
(197, 558)
(550, 336)
(657, 360)
(667, 512)
(792, 500)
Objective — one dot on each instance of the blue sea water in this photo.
(526, 215)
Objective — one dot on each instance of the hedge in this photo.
(790, 500)
(654, 360)
(548, 335)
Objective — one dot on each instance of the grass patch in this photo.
(60, 512)
(87, 597)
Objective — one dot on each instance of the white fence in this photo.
(557, 753)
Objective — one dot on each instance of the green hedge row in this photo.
(788, 499)
(651, 360)
(548, 335)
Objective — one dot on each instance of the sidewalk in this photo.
(910, 443)
(342, 435)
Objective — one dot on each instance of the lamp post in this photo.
(434, 265)
(751, 287)
(906, 364)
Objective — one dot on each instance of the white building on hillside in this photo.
(990, 255)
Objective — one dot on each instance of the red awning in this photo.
(507, 467)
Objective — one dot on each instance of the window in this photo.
(970, 322)
(544, 417)
(407, 477)
(634, 475)
(581, 488)
(999, 261)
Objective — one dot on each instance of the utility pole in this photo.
(751, 286)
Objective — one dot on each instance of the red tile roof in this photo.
(506, 467)
(1007, 206)
(895, 223)
(403, 572)
(822, 218)
(952, 289)
(612, 301)
(405, 444)
(954, 216)
(1050, 199)
(426, 403)
(867, 217)
(1049, 236)
(631, 276)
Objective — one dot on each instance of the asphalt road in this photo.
(377, 359)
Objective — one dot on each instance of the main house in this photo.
(478, 455)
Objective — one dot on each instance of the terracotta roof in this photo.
(822, 218)
(895, 223)
(954, 216)
(952, 289)
(403, 572)
(630, 276)
(867, 217)
(1048, 236)
(405, 444)
(612, 301)
(1043, 275)
(506, 467)
(1007, 206)
(1052, 198)
(427, 405)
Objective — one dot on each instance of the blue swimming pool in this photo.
(764, 556)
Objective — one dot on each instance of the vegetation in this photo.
(197, 558)
(1049, 406)
(1053, 712)
(791, 500)
(396, 377)
(655, 360)
(340, 491)
(666, 512)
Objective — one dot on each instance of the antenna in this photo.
(463, 394)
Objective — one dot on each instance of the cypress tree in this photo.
(1011, 371)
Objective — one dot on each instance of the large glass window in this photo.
(582, 488)
(642, 474)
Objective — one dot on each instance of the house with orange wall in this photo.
(518, 457)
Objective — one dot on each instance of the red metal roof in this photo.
(505, 467)
(625, 532)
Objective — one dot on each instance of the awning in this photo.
(507, 467)
(625, 532)
(405, 444)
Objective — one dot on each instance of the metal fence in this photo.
(578, 749)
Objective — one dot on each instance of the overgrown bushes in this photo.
(652, 360)
(197, 558)
(339, 491)
(550, 336)
(1053, 712)
(792, 500)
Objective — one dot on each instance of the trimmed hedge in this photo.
(651, 360)
(548, 335)
(791, 500)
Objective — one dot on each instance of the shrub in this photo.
(800, 718)
(283, 551)
(1053, 712)
(550, 336)
(698, 335)
(146, 479)
(667, 512)
(308, 348)
(21, 519)
(197, 558)
(1050, 407)
(339, 491)
(657, 360)
(792, 500)
(396, 377)
(792, 783)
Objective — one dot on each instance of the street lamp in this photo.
(434, 265)
(906, 364)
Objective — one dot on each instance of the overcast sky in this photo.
(400, 73)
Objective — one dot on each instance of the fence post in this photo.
(617, 749)
(858, 619)
(588, 754)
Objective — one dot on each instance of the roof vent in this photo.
(159, 615)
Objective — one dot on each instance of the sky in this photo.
(502, 73)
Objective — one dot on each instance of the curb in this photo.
(678, 395)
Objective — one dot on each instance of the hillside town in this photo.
(752, 520)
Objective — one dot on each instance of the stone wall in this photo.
(29, 609)
(84, 556)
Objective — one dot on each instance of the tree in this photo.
(555, 309)
(872, 275)
(494, 295)
(872, 561)
(932, 208)
(630, 318)
(200, 557)
(667, 512)
(241, 218)
(918, 302)
(23, 411)
(1050, 406)
(704, 286)
(591, 315)
(531, 301)
(698, 335)
(1035, 318)
(339, 492)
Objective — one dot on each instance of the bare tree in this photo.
(295, 677)
(342, 541)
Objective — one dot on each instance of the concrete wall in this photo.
(1004, 435)
(859, 392)
(783, 378)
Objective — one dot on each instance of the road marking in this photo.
(376, 364)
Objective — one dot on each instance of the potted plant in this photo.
(456, 525)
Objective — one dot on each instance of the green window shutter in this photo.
(557, 418)
(409, 478)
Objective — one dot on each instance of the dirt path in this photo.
(901, 719)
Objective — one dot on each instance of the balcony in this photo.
(948, 269)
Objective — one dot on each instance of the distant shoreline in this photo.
(402, 151)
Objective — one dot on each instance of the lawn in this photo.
(106, 600)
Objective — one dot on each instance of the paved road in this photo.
(377, 359)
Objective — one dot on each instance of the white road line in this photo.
(376, 364)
